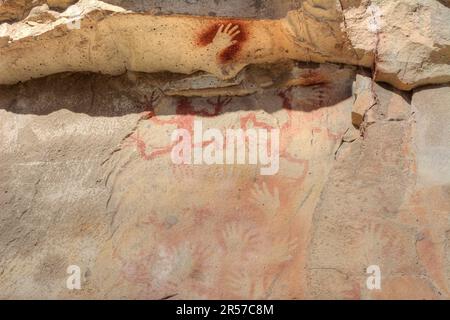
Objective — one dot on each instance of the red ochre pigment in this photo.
(206, 36)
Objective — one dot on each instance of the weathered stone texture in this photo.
(358, 89)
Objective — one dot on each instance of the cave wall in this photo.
(358, 89)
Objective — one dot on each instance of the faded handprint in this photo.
(373, 243)
(316, 97)
(268, 202)
(176, 264)
(245, 285)
(225, 36)
(281, 250)
(136, 269)
(239, 283)
(223, 42)
(218, 105)
(236, 237)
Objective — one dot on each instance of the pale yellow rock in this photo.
(407, 47)
(411, 40)
(363, 93)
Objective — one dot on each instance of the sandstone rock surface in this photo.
(407, 42)
(91, 92)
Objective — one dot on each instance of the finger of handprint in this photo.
(234, 28)
(265, 188)
(254, 190)
(259, 195)
(220, 28)
(257, 188)
(253, 236)
(293, 244)
(263, 191)
(233, 35)
(234, 42)
(277, 195)
(227, 28)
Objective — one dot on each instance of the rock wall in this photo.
(91, 92)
